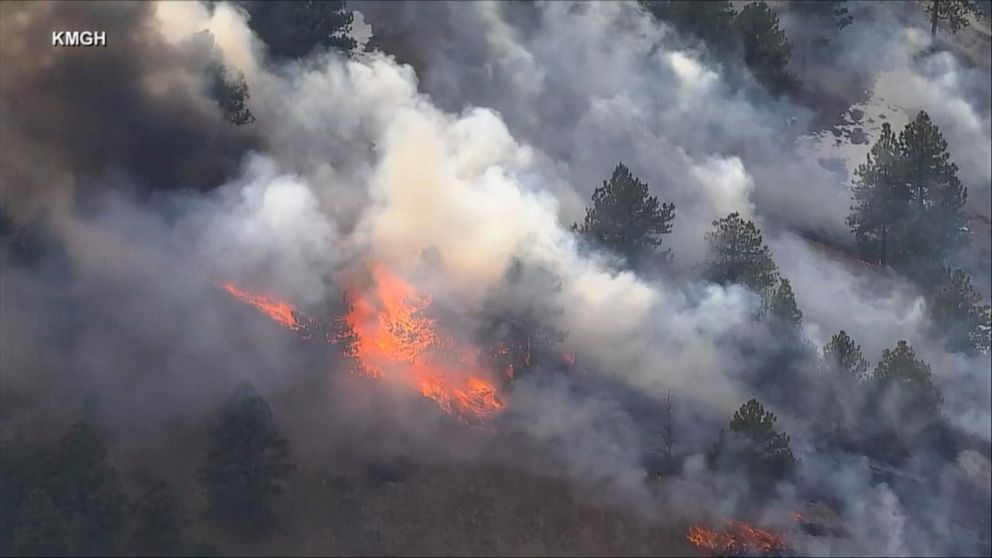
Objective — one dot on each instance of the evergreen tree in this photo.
(782, 307)
(765, 47)
(711, 21)
(755, 444)
(956, 13)
(842, 355)
(626, 219)
(840, 399)
(231, 93)
(736, 253)
(294, 28)
(247, 462)
(937, 219)
(824, 19)
(881, 199)
(831, 13)
(909, 202)
(160, 522)
(958, 315)
(904, 395)
(85, 487)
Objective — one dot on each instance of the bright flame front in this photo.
(739, 539)
(280, 311)
(397, 341)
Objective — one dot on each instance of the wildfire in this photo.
(280, 311)
(738, 538)
(395, 339)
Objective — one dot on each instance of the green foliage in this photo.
(842, 355)
(753, 35)
(247, 462)
(294, 28)
(782, 307)
(955, 13)
(736, 253)
(755, 445)
(958, 315)
(66, 501)
(832, 13)
(904, 388)
(626, 219)
(908, 201)
(765, 47)
(710, 22)
(840, 399)
(87, 490)
(880, 198)
(160, 522)
(231, 93)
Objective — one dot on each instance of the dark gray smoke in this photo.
(466, 146)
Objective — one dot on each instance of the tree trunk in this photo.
(934, 16)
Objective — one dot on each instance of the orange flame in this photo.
(280, 311)
(739, 538)
(397, 340)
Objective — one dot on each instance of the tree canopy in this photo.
(294, 28)
(782, 306)
(755, 445)
(842, 355)
(908, 207)
(957, 314)
(736, 253)
(956, 14)
(710, 22)
(765, 47)
(904, 387)
(626, 219)
(247, 462)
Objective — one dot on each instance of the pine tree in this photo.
(831, 13)
(711, 21)
(765, 47)
(881, 199)
(626, 219)
(782, 307)
(842, 355)
(231, 93)
(903, 386)
(937, 221)
(755, 444)
(294, 28)
(160, 522)
(840, 399)
(247, 462)
(958, 316)
(736, 253)
(909, 202)
(956, 13)
(85, 487)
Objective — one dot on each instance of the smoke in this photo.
(467, 146)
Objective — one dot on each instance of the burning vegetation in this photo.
(737, 539)
(392, 336)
